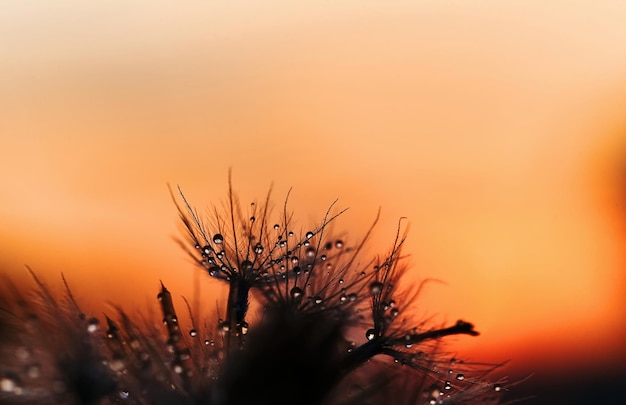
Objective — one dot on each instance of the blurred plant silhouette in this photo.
(309, 319)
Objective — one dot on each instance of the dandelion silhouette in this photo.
(328, 326)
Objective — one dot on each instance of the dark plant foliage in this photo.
(309, 319)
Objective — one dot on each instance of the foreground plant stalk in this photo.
(308, 319)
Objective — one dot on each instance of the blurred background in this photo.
(497, 128)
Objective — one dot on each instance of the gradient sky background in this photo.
(497, 128)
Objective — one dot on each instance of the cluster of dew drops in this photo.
(272, 266)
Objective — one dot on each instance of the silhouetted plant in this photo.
(331, 326)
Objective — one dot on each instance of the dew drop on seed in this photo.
(193, 333)
(447, 385)
(296, 293)
(306, 243)
(341, 281)
(22, 353)
(318, 300)
(33, 371)
(376, 287)
(276, 226)
(323, 257)
(339, 244)
(252, 219)
(218, 239)
(343, 298)
(370, 334)
(460, 377)
(207, 249)
(294, 260)
(258, 248)
(9, 384)
(92, 325)
(309, 235)
(117, 365)
(290, 234)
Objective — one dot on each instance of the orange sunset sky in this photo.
(497, 128)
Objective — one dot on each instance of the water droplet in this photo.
(193, 333)
(218, 239)
(447, 385)
(258, 248)
(318, 300)
(243, 328)
(394, 312)
(252, 219)
(497, 387)
(323, 257)
(214, 271)
(223, 326)
(294, 260)
(309, 235)
(93, 325)
(33, 371)
(124, 394)
(297, 270)
(310, 252)
(276, 226)
(22, 353)
(370, 334)
(352, 297)
(207, 250)
(117, 364)
(376, 287)
(10, 383)
(339, 244)
(460, 377)
(290, 234)
(246, 265)
(296, 293)
(343, 298)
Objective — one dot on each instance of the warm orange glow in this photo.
(497, 129)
